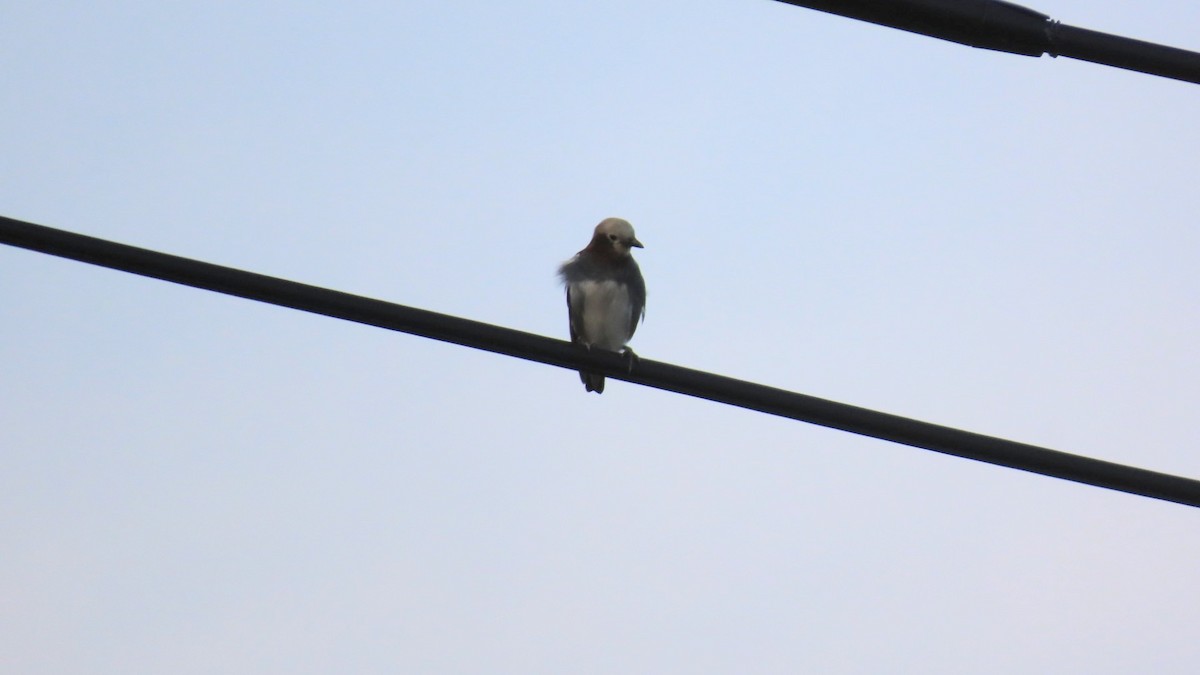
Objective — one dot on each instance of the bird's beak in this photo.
(635, 243)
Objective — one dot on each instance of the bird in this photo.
(606, 294)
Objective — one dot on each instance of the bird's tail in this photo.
(592, 381)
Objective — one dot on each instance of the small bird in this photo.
(606, 295)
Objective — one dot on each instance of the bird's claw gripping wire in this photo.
(630, 358)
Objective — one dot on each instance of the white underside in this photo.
(607, 314)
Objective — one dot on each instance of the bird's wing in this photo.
(574, 311)
(637, 297)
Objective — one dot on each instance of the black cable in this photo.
(566, 355)
(1003, 26)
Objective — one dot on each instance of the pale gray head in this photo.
(616, 234)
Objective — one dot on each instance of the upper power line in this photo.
(567, 355)
(1003, 26)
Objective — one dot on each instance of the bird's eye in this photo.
(612, 237)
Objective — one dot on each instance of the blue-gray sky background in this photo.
(193, 483)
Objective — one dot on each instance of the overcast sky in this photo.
(194, 483)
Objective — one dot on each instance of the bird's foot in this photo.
(630, 357)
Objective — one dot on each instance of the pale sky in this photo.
(194, 483)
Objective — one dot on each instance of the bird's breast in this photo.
(607, 313)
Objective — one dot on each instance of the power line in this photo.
(566, 355)
(1003, 26)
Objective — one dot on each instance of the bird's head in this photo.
(616, 235)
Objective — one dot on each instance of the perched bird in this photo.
(606, 295)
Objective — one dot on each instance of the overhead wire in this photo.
(1007, 27)
(533, 347)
